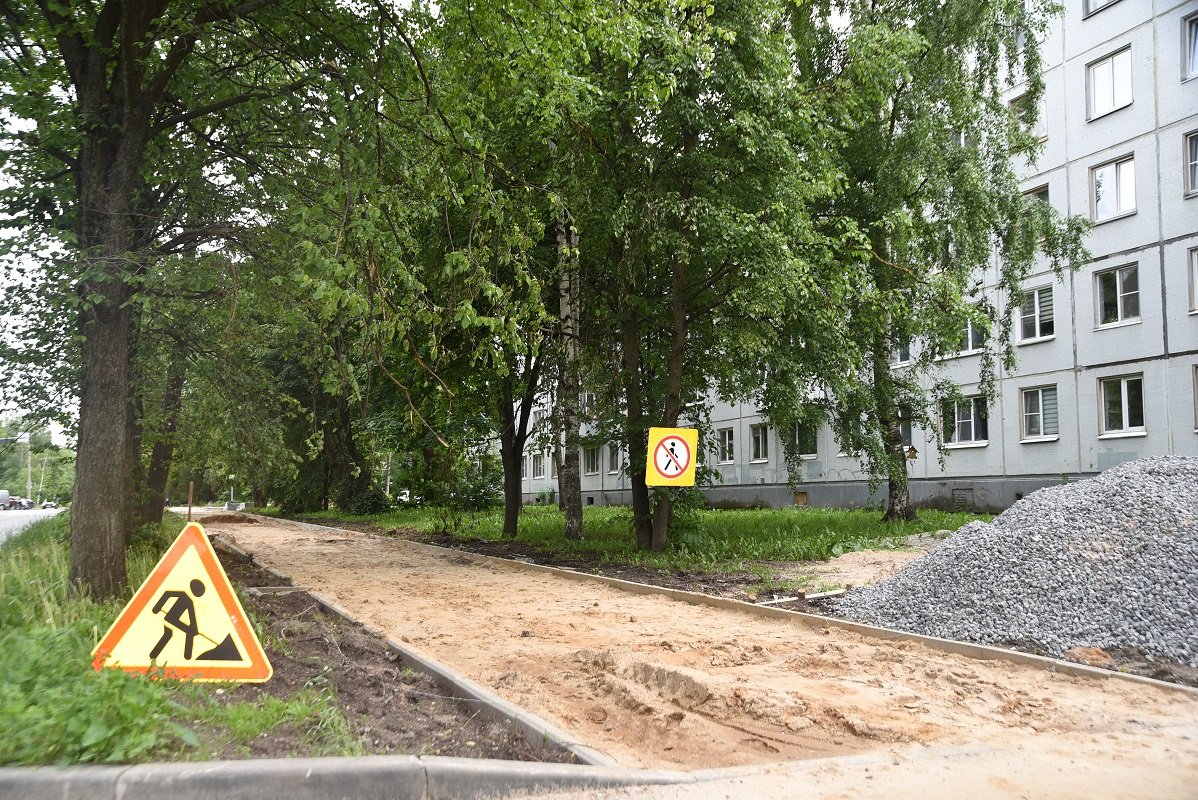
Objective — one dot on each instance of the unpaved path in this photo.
(656, 682)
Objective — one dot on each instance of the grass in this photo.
(55, 709)
(706, 540)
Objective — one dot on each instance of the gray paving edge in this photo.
(979, 651)
(361, 778)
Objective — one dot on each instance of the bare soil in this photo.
(390, 709)
(658, 682)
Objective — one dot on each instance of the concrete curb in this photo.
(362, 778)
(979, 651)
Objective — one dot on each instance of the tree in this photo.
(705, 162)
(120, 102)
(925, 142)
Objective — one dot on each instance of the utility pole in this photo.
(28, 467)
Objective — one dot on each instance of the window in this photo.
(1196, 398)
(905, 427)
(1193, 256)
(802, 439)
(760, 435)
(1095, 5)
(726, 451)
(553, 463)
(1118, 295)
(900, 352)
(972, 338)
(1122, 405)
(965, 421)
(538, 465)
(523, 468)
(1039, 193)
(1113, 189)
(586, 403)
(1110, 83)
(1032, 116)
(613, 459)
(1039, 413)
(1191, 162)
(1189, 46)
(590, 460)
(1035, 316)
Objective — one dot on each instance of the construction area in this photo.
(661, 679)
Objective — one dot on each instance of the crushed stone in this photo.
(1108, 562)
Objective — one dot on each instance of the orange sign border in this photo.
(258, 671)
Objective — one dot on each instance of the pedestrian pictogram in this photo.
(671, 457)
(185, 621)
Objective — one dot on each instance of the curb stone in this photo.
(360, 778)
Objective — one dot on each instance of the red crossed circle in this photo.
(679, 460)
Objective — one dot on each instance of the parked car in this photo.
(19, 503)
(49, 504)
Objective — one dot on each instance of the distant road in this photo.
(13, 521)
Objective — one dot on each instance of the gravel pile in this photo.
(1108, 562)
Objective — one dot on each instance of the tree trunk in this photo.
(635, 431)
(102, 506)
(898, 500)
(513, 435)
(163, 451)
(569, 476)
(676, 358)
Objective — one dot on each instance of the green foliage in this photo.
(55, 709)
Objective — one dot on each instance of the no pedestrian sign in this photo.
(185, 622)
(671, 457)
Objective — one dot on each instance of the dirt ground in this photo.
(657, 682)
(390, 710)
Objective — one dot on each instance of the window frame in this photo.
(972, 333)
(1189, 161)
(538, 473)
(1042, 436)
(1091, 114)
(1122, 317)
(613, 460)
(1127, 430)
(977, 412)
(1033, 294)
(1192, 266)
(796, 442)
(1089, 9)
(1120, 212)
(1196, 398)
(759, 443)
(1189, 47)
(1018, 107)
(589, 453)
(725, 446)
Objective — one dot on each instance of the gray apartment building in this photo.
(1108, 355)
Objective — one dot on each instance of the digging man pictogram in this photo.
(181, 616)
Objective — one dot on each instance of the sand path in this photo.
(656, 682)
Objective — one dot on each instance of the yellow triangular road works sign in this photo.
(185, 622)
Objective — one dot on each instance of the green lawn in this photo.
(703, 540)
(55, 709)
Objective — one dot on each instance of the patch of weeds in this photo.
(312, 709)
